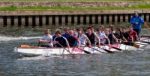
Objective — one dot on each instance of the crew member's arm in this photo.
(107, 39)
(97, 39)
(88, 40)
(43, 41)
(137, 37)
(141, 21)
(132, 38)
(115, 38)
(67, 42)
(124, 39)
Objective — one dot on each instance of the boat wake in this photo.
(40, 57)
(9, 38)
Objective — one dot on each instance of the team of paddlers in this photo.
(90, 37)
(94, 37)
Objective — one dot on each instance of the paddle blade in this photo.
(137, 46)
(25, 46)
(108, 51)
(87, 52)
(117, 48)
(145, 42)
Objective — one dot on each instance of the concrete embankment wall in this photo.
(33, 20)
(52, 18)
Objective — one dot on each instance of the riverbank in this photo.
(48, 7)
(69, 0)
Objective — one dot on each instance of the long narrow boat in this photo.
(34, 50)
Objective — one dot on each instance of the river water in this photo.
(126, 63)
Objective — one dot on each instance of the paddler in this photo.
(46, 40)
(102, 36)
(119, 35)
(66, 32)
(93, 37)
(126, 33)
(69, 34)
(72, 39)
(60, 41)
(137, 21)
(82, 38)
(131, 36)
(110, 34)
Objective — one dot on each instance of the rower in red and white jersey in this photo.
(133, 36)
(130, 35)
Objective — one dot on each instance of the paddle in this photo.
(131, 44)
(85, 51)
(115, 47)
(105, 50)
(97, 50)
(64, 48)
(145, 42)
(141, 42)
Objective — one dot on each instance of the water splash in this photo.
(9, 38)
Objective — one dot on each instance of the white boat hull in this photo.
(61, 51)
(82, 50)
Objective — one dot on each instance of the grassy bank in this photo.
(72, 8)
(67, 0)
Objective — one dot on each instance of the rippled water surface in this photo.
(126, 63)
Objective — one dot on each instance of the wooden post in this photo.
(12, 21)
(47, 20)
(33, 21)
(19, 21)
